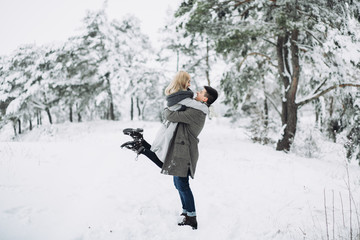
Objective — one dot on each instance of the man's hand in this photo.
(183, 108)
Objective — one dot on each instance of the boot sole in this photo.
(128, 131)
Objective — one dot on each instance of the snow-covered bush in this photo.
(307, 143)
(261, 127)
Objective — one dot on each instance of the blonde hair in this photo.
(178, 83)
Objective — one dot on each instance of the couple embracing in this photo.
(175, 148)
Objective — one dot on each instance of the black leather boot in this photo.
(135, 133)
(136, 146)
(191, 221)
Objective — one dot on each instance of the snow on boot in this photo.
(190, 221)
(135, 133)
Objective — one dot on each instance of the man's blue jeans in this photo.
(186, 196)
(181, 183)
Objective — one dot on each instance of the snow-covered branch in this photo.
(320, 85)
(313, 97)
(312, 35)
(272, 103)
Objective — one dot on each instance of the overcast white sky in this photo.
(45, 21)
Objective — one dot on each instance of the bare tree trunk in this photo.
(331, 108)
(207, 62)
(287, 139)
(266, 107)
(19, 124)
(138, 107)
(79, 117)
(132, 109)
(283, 76)
(317, 113)
(281, 41)
(332, 124)
(70, 113)
(38, 118)
(290, 108)
(112, 115)
(108, 88)
(30, 124)
(49, 114)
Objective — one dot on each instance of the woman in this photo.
(178, 97)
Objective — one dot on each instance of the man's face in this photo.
(200, 96)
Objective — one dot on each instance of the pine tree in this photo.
(20, 84)
(133, 76)
(296, 38)
(91, 75)
(194, 52)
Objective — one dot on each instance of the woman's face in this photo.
(188, 83)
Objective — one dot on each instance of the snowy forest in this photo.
(286, 123)
(270, 58)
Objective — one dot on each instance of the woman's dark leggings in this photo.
(150, 154)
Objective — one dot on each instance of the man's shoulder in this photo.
(191, 103)
(195, 112)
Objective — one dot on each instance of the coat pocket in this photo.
(182, 149)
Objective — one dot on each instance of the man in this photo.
(182, 155)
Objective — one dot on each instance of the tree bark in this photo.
(266, 107)
(112, 115)
(19, 124)
(331, 106)
(38, 118)
(132, 109)
(111, 104)
(49, 114)
(138, 107)
(285, 80)
(207, 71)
(290, 108)
(30, 125)
(281, 69)
(317, 112)
(70, 113)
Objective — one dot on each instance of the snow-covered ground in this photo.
(72, 182)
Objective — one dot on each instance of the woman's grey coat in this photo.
(183, 152)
